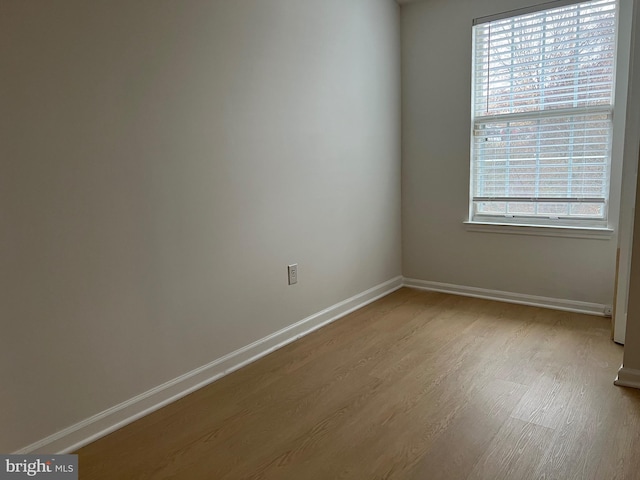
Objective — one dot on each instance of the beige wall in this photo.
(161, 163)
(436, 91)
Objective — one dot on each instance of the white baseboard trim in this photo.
(103, 423)
(509, 297)
(628, 377)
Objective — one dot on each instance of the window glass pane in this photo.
(559, 58)
(541, 210)
(550, 157)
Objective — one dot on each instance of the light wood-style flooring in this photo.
(419, 386)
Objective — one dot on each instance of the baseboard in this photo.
(90, 429)
(628, 377)
(510, 297)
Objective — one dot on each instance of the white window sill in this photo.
(541, 230)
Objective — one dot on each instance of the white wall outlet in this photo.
(608, 311)
(293, 273)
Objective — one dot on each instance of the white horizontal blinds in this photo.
(550, 157)
(543, 97)
(559, 58)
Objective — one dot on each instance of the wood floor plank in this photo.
(547, 400)
(395, 429)
(473, 431)
(515, 452)
(416, 385)
(619, 459)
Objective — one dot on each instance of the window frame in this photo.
(585, 227)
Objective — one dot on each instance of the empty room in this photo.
(320, 239)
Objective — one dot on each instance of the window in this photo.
(542, 116)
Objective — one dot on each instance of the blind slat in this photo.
(533, 11)
(584, 23)
(540, 199)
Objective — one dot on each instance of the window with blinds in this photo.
(542, 116)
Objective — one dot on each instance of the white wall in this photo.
(631, 362)
(436, 98)
(631, 367)
(161, 163)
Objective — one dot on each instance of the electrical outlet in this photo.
(608, 311)
(293, 273)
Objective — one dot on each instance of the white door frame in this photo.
(629, 180)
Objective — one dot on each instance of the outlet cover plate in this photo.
(293, 273)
